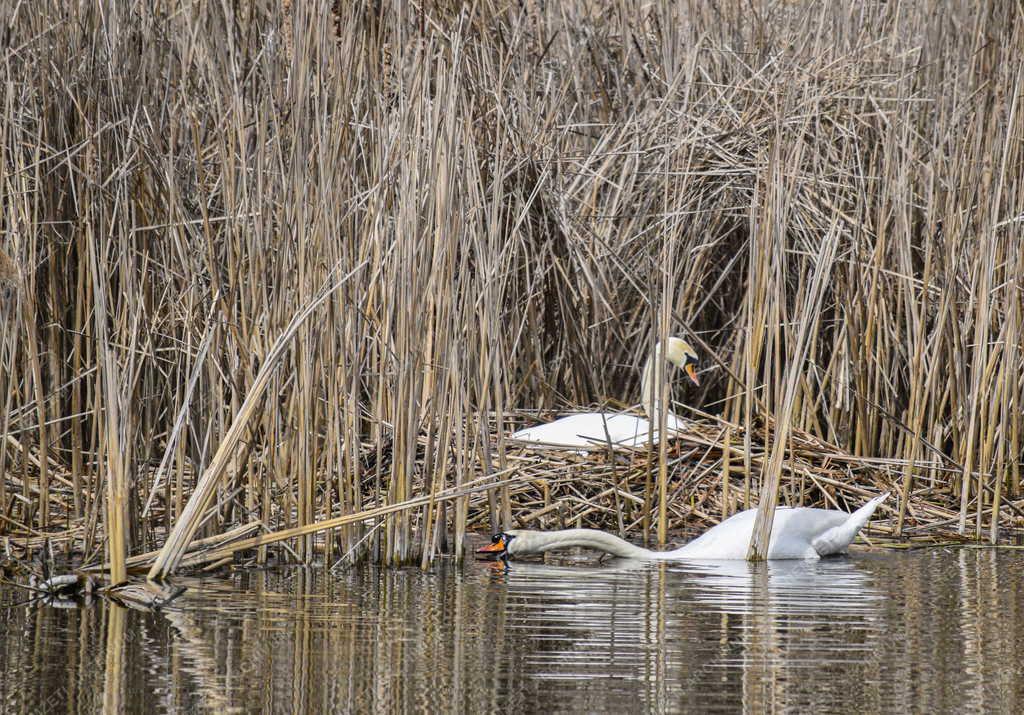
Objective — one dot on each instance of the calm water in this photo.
(931, 631)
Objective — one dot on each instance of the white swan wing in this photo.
(728, 540)
(797, 533)
(793, 532)
(595, 429)
(836, 539)
(589, 429)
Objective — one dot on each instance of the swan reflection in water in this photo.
(839, 585)
(828, 586)
(696, 635)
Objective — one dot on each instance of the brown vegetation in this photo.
(315, 258)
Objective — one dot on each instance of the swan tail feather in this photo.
(836, 539)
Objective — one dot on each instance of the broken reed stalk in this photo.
(365, 515)
(195, 509)
(760, 537)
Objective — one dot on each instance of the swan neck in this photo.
(541, 541)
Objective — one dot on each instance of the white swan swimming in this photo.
(797, 533)
(594, 429)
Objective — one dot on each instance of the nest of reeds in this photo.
(712, 473)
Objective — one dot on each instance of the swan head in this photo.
(681, 354)
(503, 544)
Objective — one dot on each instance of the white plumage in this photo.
(797, 533)
(591, 430)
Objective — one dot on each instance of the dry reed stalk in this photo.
(760, 536)
(115, 525)
(8, 280)
(8, 301)
(365, 515)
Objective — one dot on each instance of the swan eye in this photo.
(496, 538)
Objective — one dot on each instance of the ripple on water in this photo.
(935, 630)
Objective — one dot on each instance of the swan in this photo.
(797, 533)
(593, 429)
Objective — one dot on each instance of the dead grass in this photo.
(523, 199)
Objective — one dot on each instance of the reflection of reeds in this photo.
(519, 210)
(675, 638)
(113, 680)
(199, 659)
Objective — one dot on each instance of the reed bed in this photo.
(312, 261)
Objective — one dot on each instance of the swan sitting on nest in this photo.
(594, 429)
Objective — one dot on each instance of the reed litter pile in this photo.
(708, 482)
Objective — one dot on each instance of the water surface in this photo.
(928, 631)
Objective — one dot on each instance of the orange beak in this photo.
(494, 548)
(691, 371)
